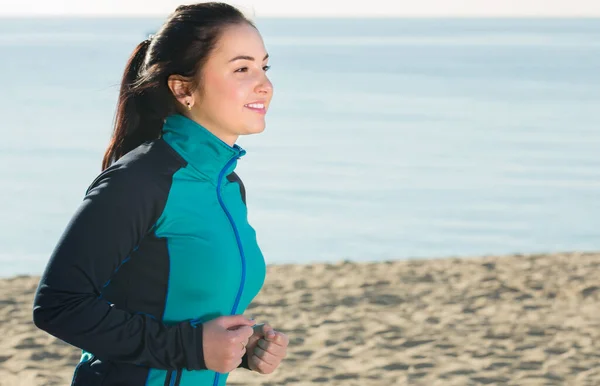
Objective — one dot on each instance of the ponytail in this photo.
(136, 119)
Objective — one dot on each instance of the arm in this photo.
(119, 208)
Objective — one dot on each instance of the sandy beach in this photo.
(515, 320)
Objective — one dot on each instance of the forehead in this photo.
(241, 39)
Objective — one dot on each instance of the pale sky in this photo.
(328, 8)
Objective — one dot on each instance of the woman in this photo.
(155, 269)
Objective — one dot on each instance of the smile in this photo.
(258, 107)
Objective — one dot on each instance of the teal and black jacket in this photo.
(160, 244)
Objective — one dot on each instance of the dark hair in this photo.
(180, 47)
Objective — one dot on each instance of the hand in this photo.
(266, 349)
(222, 340)
(260, 330)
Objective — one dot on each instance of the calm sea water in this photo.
(386, 139)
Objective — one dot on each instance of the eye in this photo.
(266, 68)
(243, 69)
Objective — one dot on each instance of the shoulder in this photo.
(146, 170)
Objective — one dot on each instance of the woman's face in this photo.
(235, 92)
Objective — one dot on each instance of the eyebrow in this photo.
(246, 57)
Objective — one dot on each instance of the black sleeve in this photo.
(117, 211)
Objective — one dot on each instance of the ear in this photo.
(180, 87)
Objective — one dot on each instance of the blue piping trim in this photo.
(116, 270)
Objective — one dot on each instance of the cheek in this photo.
(237, 93)
(231, 93)
(221, 94)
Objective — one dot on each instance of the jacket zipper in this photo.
(239, 244)
(197, 321)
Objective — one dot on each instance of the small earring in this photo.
(188, 105)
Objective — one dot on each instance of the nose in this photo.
(264, 87)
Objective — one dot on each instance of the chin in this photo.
(253, 130)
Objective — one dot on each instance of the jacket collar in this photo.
(200, 148)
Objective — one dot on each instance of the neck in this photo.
(229, 139)
(206, 152)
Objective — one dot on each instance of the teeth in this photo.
(256, 105)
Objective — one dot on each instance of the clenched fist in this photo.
(266, 349)
(224, 342)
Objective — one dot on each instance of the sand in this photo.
(514, 320)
